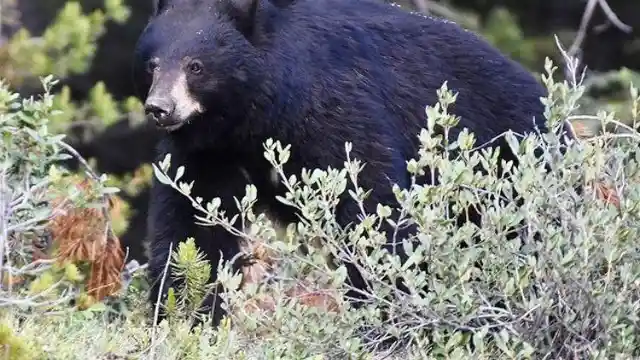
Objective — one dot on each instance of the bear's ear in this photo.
(243, 13)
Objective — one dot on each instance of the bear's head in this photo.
(194, 58)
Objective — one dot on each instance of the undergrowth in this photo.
(571, 294)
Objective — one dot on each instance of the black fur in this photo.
(314, 74)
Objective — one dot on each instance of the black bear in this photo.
(220, 77)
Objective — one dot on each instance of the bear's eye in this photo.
(152, 65)
(195, 67)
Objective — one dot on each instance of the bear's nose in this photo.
(157, 110)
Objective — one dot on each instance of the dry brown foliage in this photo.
(83, 234)
(583, 130)
(305, 293)
(326, 299)
(607, 194)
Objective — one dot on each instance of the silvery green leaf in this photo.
(162, 178)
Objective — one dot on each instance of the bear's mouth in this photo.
(172, 127)
(176, 123)
(175, 126)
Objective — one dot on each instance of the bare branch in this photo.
(586, 18)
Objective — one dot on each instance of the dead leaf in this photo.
(83, 235)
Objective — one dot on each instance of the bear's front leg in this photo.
(172, 221)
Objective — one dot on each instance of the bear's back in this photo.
(400, 59)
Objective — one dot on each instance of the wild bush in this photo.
(571, 293)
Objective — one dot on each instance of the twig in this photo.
(156, 312)
(421, 5)
(89, 171)
(427, 6)
(82, 160)
(611, 16)
(586, 17)
(5, 211)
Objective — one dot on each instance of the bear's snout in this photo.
(159, 110)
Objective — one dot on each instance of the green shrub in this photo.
(34, 191)
(572, 295)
